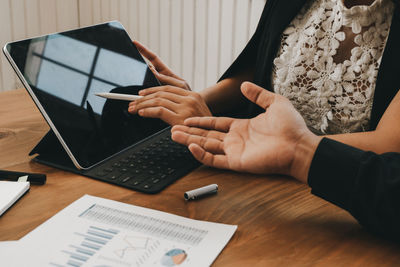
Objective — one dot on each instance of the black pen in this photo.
(33, 178)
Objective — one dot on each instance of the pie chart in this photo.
(173, 257)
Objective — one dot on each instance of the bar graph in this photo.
(88, 244)
(98, 232)
(138, 240)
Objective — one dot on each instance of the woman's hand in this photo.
(276, 141)
(164, 74)
(170, 104)
(173, 102)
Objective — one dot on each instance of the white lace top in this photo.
(328, 63)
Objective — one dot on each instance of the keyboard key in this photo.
(170, 171)
(138, 178)
(146, 186)
(113, 176)
(136, 183)
(126, 179)
(108, 169)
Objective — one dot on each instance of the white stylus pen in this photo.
(119, 96)
(205, 190)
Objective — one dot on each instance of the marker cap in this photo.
(205, 190)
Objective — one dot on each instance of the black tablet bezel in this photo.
(66, 145)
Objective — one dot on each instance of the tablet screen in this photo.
(65, 70)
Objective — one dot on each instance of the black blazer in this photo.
(365, 184)
(262, 48)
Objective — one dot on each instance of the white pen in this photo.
(119, 96)
(205, 190)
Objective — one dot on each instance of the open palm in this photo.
(263, 144)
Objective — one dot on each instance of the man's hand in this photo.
(276, 141)
(173, 102)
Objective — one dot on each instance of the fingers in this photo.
(142, 49)
(211, 145)
(165, 99)
(207, 158)
(162, 105)
(168, 101)
(162, 113)
(211, 141)
(257, 94)
(199, 132)
(149, 55)
(159, 65)
(221, 124)
(182, 103)
(169, 80)
(160, 89)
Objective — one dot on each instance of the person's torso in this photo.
(328, 63)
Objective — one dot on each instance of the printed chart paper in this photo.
(94, 231)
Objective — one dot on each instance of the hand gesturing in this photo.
(264, 144)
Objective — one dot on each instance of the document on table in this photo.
(94, 231)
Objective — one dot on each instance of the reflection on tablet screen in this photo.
(65, 71)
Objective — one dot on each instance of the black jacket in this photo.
(365, 184)
(263, 47)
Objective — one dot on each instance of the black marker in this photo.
(33, 178)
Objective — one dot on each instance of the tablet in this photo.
(63, 71)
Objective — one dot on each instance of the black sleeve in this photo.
(365, 184)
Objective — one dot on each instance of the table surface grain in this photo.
(279, 222)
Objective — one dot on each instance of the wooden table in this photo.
(279, 222)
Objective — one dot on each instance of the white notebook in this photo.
(10, 192)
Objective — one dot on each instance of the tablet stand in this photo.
(50, 152)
